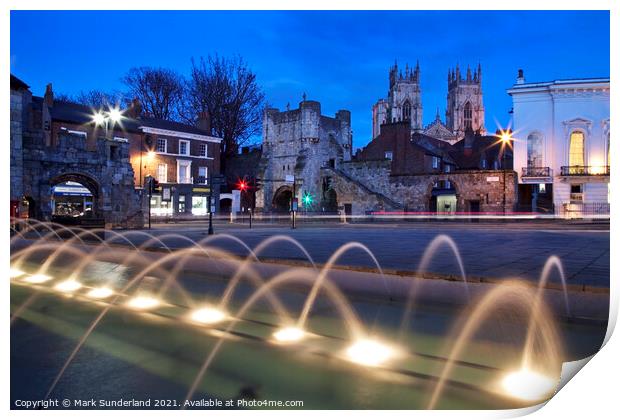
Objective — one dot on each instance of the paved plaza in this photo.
(492, 251)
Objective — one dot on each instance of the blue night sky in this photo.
(338, 58)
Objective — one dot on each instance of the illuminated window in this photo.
(184, 171)
(162, 172)
(576, 149)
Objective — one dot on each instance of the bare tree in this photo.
(159, 90)
(93, 98)
(226, 88)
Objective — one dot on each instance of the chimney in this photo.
(204, 121)
(48, 98)
(520, 77)
(135, 109)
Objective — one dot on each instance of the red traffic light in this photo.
(243, 186)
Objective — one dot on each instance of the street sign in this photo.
(165, 195)
(492, 178)
(295, 204)
(289, 178)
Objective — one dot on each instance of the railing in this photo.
(202, 180)
(536, 172)
(584, 210)
(584, 170)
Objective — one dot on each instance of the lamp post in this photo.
(505, 139)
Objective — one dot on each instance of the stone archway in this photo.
(281, 202)
(87, 182)
(442, 195)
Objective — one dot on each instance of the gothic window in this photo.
(406, 111)
(467, 115)
(534, 150)
(576, 149)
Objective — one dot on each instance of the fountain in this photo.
(298, 312)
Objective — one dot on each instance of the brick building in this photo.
(182, 158)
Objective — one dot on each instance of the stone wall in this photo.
(101, 165)
(17, 167)
(370, 187)
(298, 143)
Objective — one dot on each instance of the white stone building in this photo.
(561, 149)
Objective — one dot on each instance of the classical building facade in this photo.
(464, 109)
(562, 148)
(296, 144)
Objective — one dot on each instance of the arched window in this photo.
(467, 115)
(406, 111)
(534, 151)
(576, 156)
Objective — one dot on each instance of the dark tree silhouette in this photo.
(226, 88)
(159, 91)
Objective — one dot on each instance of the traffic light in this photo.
(154, 185)
(307, 199)
(243, 185)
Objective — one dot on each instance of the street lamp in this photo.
(113, 114)
(505, 138)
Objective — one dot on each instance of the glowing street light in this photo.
(98, 118)
(115, 115)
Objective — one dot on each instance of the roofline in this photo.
(182, 134)
(560, 82)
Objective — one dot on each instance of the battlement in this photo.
(455, 78)
(411, 75)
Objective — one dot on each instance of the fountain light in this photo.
(14, 273)
(528, 385)
(289, 334)
(38, 278)
(143, 302)
(369, 352)
(100, 293)
(208, 315)
(68, 286)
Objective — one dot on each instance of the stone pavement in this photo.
(493, 251)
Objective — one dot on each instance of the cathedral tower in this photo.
(465, 108)
(404, 102)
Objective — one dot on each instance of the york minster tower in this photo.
(404, 101)
(465, 108)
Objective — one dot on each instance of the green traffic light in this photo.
(307, 199)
